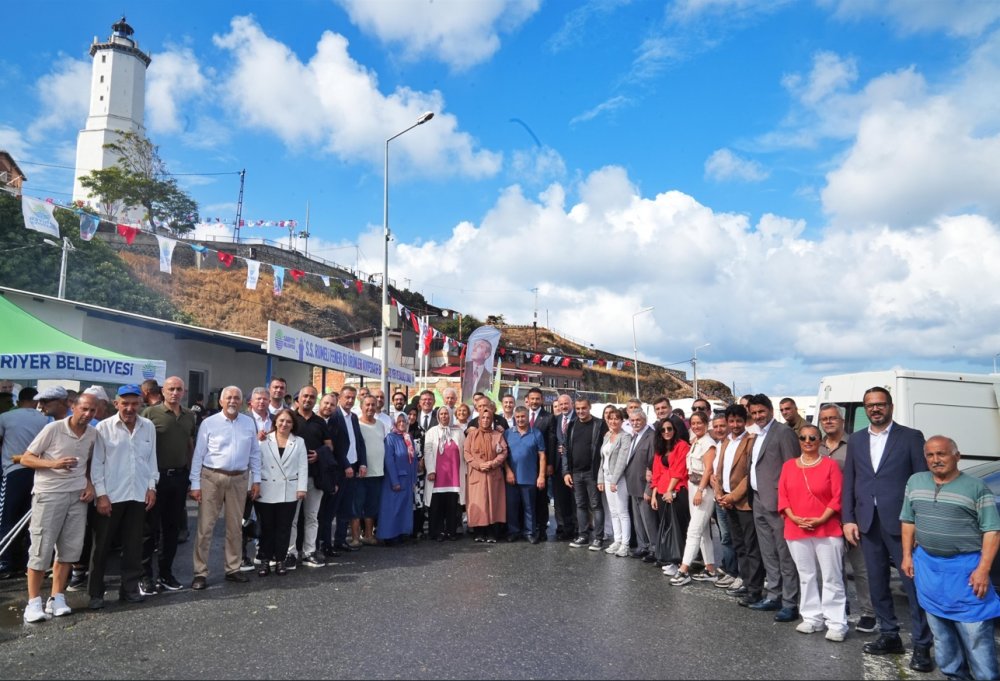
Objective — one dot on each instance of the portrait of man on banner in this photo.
(477, 373)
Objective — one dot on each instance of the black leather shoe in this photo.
(765, 605)
(511, 538)
(237, 577)
(541, 536)
(130, 597)
(649, 558)
(738, 593)
(330, 553)
(342, 547)
(533, 539)
(749, 599)
(787, 614)
(638, 554)
(199, 583)
(921, 660)
(885, 644)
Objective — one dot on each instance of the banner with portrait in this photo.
(477, 370)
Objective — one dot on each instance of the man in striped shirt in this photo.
(951, 532)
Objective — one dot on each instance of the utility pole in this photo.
(239, 206)
(535, 324)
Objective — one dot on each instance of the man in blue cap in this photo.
(124, 474)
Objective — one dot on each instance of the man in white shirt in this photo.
(380, 414)
(260, 411)
(398, 405)
(226, 460)
(124, 474)
(277, 389)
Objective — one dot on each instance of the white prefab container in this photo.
(963, 407)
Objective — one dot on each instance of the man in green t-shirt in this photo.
(951, 532)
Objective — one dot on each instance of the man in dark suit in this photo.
(880, 459)
(638, 473)
(774, 445)
(563, 501)
(477, 375)
(348, 442)
(540, 418)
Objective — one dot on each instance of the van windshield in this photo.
(856, 418)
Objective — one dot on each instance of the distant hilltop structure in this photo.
(117, 101)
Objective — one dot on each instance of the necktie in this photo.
(532, 424)
(427, 422)
(565, 423)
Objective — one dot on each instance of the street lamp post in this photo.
(66, 247)
(385, 256)
(635, 348)
(694, 368)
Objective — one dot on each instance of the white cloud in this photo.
(174, 79)
(64, 94)
(608, 106)
(909, 297)
(966, 18)
(334, 102)
(724, 165)
(537, 165)
(13, 142)
(575, 22)
(691, 10)
(457, 32)
(830, 74)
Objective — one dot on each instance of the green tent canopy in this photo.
(31, 349)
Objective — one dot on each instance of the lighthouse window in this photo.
(104, 58)
(102, 98)
(102, 79)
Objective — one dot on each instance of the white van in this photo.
(963, 407)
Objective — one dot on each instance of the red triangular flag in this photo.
(128, 232)
(416, 323)
(225, 258)
(565, 362)
(297, 274)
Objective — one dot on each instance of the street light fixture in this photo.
(66, 247)
(635, 348)
(694, 365)
(385, 256)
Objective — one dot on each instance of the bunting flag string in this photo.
(128, 232)
(266, 223)
(297, 275)
(166, 253)
(253, 273)
(279, 279)
(88, 225)
(225, 258)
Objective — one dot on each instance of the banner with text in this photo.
(285, 341)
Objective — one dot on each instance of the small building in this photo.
(12, 178)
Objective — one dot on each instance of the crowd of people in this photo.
(792, 503)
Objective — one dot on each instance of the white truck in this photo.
(963, 407)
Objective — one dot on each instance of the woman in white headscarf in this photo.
(444, 491)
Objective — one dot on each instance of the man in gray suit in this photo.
(640, 463)
(775, 445)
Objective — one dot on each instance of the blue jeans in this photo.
(729, 563)
(521, 497)
(963, 646)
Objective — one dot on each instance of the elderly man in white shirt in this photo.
(124, 474)
(226, 460)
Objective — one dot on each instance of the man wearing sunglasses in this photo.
(880, 459)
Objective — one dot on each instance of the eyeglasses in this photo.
(810, 438)
(699, 408)
(876, 405)
(667, 430)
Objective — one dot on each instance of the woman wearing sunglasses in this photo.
(809, 497)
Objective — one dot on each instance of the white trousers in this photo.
(621, 526)
(699, 535)
(310, 508)
(820, 560)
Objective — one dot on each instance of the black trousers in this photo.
(165, 520)
(127, 520)
(564, 505)
(15, 502)
(445, 514)
(744, 535)
(275, 521)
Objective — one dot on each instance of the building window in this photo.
(102, 79)
(397, 343)
(104, 58)
(102, 98)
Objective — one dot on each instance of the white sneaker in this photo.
(35, 612)
(834, 635)
(809, 628)
(670, 569)
(56, 606)
(613, 548)
(622, 551)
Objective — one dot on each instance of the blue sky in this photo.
(811, 186)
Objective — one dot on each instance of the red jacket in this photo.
(676, 468)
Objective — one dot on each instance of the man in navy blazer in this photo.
(880, 459)
(347, 442)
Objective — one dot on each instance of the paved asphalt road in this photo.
(430, 610)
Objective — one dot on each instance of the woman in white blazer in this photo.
(444, 462)
(283, 476)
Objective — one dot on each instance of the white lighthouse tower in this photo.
(117, 101)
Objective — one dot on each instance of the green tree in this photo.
(95, 274)
(140, 178)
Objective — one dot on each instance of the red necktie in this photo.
(532, 424)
